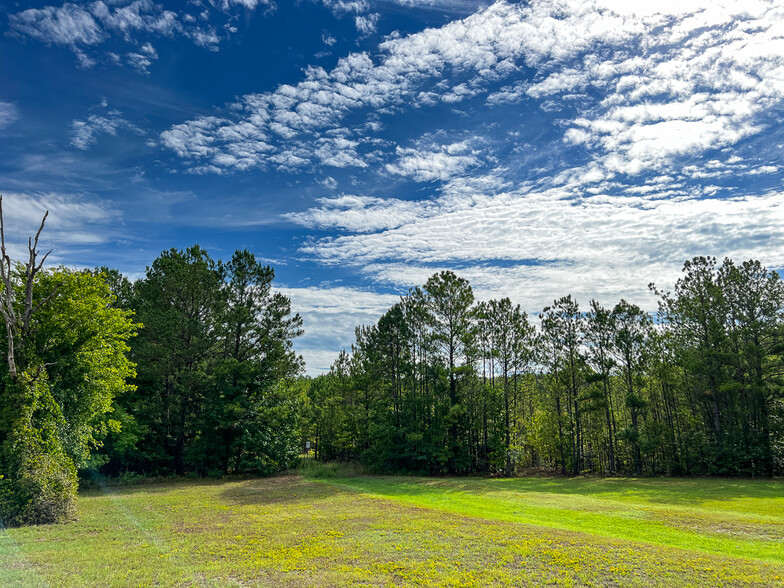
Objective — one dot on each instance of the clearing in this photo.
(332, 528)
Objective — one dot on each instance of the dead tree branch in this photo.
(15, 330)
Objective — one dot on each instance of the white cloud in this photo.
(671, 78)
(358, 213)
(445, 5)
(338, 152)
(82, 26)
(329, 183)
(68, 24)
(329, 316)
(481, 45)
(8, 114)
(643, 92)
(340, 7)
(367, 24)
(73, 220)
(84, 133)
(705, 76)
(537, 245)
(437, 163)
(142, 59)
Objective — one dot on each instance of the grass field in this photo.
(326, 527)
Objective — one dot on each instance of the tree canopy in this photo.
(443, 384)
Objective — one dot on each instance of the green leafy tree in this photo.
(600, 334)
(254, 329)
(632, 331)
(217, 385)
(66, 348)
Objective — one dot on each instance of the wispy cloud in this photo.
(358, 213)
(84, 26)
(8, 114)
(73, 220)
(142, 59)
(329, 316)
(84, 133)
(534, 246)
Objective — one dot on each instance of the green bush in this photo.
(42, 491)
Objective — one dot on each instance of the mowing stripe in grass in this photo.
(15, 568)
(164, 551)
(611, 517)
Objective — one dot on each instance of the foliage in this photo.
(74, 363)
(445, 385)
(217, 389)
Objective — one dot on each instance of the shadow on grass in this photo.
(681, 491)
(286, 488)
(151, 486)
(338, 479)
(281, 489)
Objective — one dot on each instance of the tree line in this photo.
(190, 369)
(445, 384)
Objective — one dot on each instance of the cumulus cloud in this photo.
(366, 25)
(341, 7)
(662, 80)
(704, 79)
(648, 103)
(437, 163)
(481, 46)
(83, 26)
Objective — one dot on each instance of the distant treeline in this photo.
(443, 384)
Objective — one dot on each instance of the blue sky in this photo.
(538, 148)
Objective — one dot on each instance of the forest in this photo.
(445, 384)
(188, 370)
(191, 370)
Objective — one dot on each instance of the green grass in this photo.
(336, 527)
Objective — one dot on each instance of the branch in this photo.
(41, 228)
(47, 299)
(12, 326)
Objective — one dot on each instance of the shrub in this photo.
(42, 491)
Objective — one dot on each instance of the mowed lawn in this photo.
(343, 530)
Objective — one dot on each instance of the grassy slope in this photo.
(358, 530)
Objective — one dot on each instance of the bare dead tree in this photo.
(16, 329)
